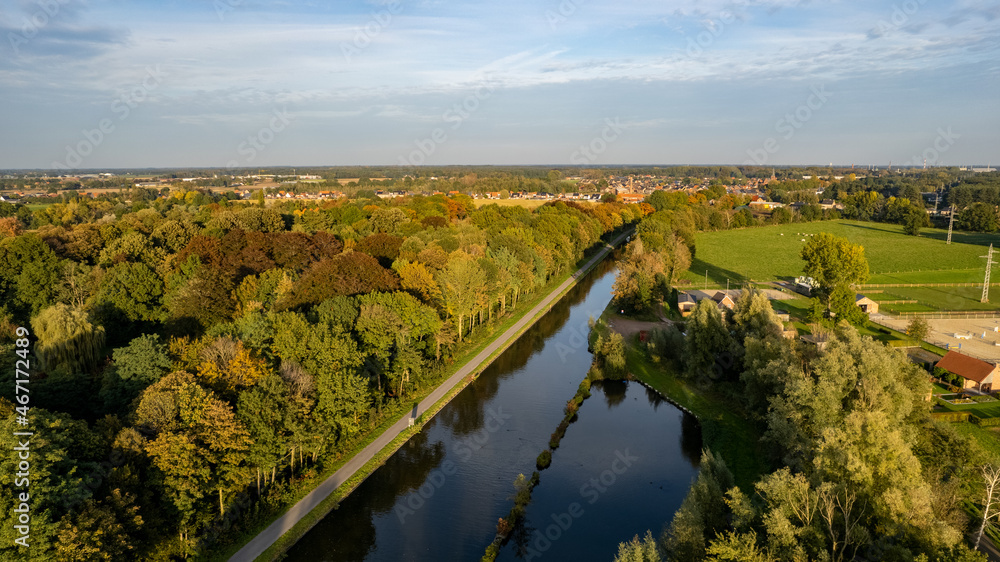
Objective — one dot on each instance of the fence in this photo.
(950, 315)
(935, 341)
(891, 285)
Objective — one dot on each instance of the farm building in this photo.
(975, 373)
(685, 304)
(867, 305)
(724, 301)
(819, 341)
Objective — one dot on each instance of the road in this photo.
(283, 524)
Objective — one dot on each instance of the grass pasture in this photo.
(937, 298)
(771, 253)
(526, 203)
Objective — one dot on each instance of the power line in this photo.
(986, 280)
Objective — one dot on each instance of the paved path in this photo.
(283, 524)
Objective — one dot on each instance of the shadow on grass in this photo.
(716, 275)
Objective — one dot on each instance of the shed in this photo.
(867, 305)
(685, 303)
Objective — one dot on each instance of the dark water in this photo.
(440, 496)
(623, 467)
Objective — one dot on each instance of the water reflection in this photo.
(613, 391)
(440, 496)
(691, 439)
(618, 472)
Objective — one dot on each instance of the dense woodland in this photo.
(194, 359)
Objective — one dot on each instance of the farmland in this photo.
(772, 253)
(526, 203)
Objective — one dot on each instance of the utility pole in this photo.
(706, 280)
(986, 280)
(951, 222)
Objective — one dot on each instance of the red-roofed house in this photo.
(975, 373)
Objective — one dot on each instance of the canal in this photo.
(439, 497)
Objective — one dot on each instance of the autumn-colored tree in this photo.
(350, 273)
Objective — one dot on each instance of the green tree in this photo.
(68, 341)
(139, 364)
(918, 329)
(914, 220)
(639, 550)
(833, 260)
(843, 302)
(133, 290)
(460, 282)
(979, 217)
(710, 349)
(199, 446)
(29, 274)
(702, 514)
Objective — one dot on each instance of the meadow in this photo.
(771, 253)
(526, 203)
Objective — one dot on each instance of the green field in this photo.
(988, 439)
(772, 253)
(939, 298)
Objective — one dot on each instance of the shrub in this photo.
(544, 460)
(571, 407)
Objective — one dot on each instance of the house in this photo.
(686, 304)
(867, 305)
(724, 301)
(760, 204)
(631, 197)
(975, 373)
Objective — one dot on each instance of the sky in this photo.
(254, 83)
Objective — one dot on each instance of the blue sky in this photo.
(250, 83)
